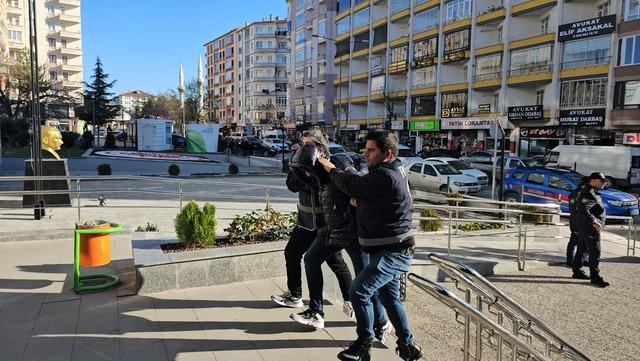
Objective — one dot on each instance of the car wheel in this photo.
(512, 198)
(443, 189)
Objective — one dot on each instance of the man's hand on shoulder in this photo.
(326, 163)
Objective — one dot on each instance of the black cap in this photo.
(598, 175)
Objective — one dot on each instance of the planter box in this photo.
(157, 271)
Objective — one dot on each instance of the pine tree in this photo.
(99, 106)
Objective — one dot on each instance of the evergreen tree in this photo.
(99, 106)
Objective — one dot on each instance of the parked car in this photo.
(550, 185)
(407, 155)
(121, 136)
(436, 176)
(481, 157)
(433, 153)
(275, 145)
(335, 148)
(510, 162)
(464, 168)
(178, 141)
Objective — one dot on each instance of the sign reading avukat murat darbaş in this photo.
(587, 28)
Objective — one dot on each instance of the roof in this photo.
(136, 94)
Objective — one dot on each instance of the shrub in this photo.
(456, 195)
(174, 170)
(69, 139)
(104, 169)
(432, 225)
(196, 227)
(479, 226)
(266, 225)
(148, 228)
(233, 169)
(110, 141)
(535, 218)
(87, 137)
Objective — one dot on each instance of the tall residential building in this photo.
(131, 101)
(441, 72)
(263, 58)
(222, 85)
(312, 67)
(59, 38)
(4, 40)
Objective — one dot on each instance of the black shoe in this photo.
(357, 351)
(383, 332)
(409, 352)
(600, 282)
(580, 275)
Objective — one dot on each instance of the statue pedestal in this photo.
(50, 167)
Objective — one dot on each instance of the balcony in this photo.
(70, 68)
(265, 50)
(424, 88)
(68, 4)
(531, 75)
(456, 55)
(67, 51)
(265, 35)
(67, 19)
(487, 81)
(489, 49)
(343, 80)
(359, 99)
(520, 7)
(72, 84)
(587, 67)
(454, 87)
(14, 10)
(492, 14)
(457, 23)
(360, 77)
(73, 35)
(548, 38)
(426, 5)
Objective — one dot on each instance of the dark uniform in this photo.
(575, 239)
(589, 210)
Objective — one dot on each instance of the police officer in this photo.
(590, 219)
(574, 240)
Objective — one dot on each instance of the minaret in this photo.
(181, 92)
(200, 88)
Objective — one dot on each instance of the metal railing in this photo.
(586, 62)
(487, 76)
(493, 313)
(531, 69)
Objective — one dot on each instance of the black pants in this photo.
(574, 241)
(299, 242)
(590, 244)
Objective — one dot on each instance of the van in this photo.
(620, 164)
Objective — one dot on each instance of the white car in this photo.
(274, 145)
(406, 155)
(464, 168)
(436, 176)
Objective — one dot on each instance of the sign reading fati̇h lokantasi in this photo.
(587, 28)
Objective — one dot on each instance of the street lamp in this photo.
(93, 110)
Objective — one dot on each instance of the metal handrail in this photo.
(472, 314)
(496, 298)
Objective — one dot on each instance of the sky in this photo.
(141, 43)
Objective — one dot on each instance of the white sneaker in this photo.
(309, 317)
(287, 300)
(382, 332)
(347, 308)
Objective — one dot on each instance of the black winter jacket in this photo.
(573, 206)
(309, 210)
(384, 205)
(589, 210)
(339, 215)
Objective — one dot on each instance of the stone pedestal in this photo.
(50, 167)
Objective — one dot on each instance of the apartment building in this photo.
(4, 39)
(59, 39)
(131, 101)
(312, 68)
(441, 72)
(222, 74)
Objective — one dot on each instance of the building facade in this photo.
(221, 80)
(59, 39)
(312, 68)
(132, 101)
(440, 73)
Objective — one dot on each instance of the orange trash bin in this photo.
(95, 249)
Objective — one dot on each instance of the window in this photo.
(53, 75)
(531, 60)
(65, 76)
(281, 87)
(299, 55)
(322, 69)
(458, 10)
(627, 95)
(583, 93)
(53, 59)
(458, 40)
(300, 19)
(377, 84)
(322, 27)
(540, 97)
(631, 10)
(499, 33)
(517, 175)
(65, 60)
(629, 50)
(282, 45)
(423, 105)
(281, 100)
(399, 54)
(544, 25)
(536, 178)
(50, 9)
(426, 19)
(425, 48)
(603, 9)
(428, 170)
(397, 5)
(342, 26)
(309, 52)
(417, 167)
(488, 67)
(15, 35)
(342, 5)
(258, 44)
(587, 52)
(496, 101)
(454, 100)
(424, 77)
(320, 106)
(300, 37)
(51, 26)
(361, 18)
(281, 58)
(558, 183)
(299, 78)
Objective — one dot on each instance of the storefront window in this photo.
(425, 48)
(629, 50)
(458, 40)
(423, 105)
(586, 52)
(424, 77)
(489, 67)
(532, 60)
(627, 95)
(584, 93)
(426, 20)
(458, 10)
(342, 26)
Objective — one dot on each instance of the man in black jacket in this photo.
(575, 238)
(309, 222)
(590, 219)
(384, 210)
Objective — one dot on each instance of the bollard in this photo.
(180, 195)
(78, 197)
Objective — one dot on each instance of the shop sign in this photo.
(583, 117)
(398, 67)
(423, 62)
(376, 71)
(350, 127)
(453, 112)
(542, 132)
(471, 123)
(397, 124)
(587, 28)
(484, 108)
(454, 56)
(631, 138)
(525, 112)
(424, 125)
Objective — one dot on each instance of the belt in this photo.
(307, 209)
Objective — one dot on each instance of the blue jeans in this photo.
(313, 259)
(382, 275)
